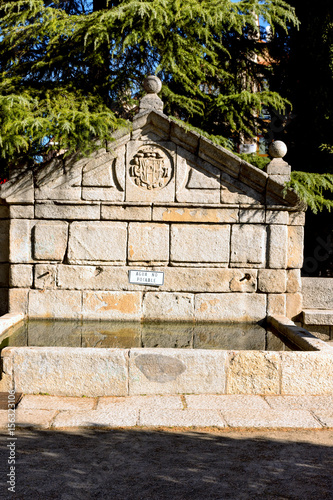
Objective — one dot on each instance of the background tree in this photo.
(72, 71)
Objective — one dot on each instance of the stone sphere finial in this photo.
(152, 84)
(277, 149)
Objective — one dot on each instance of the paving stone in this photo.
(251, 372)
(141, 402)
(248, 244)
(235, 307)
(175, 371)
(325, 417)
(278, 247)
(271, 419)
(115, 417)
(148, 242)
(50, 240)
(200, 243)
(97, 242)
(314, 403)
(231, 402)
(38, 419)
(181, 418)
(36, 402)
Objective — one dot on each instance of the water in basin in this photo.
(112, 334)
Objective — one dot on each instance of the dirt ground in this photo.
(144, 464)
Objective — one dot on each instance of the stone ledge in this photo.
(317, 316)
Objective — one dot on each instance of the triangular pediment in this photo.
(157, 160)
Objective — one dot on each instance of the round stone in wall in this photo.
(277, 149)
(151, 168)
(152, 84)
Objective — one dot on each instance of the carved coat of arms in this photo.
(150, 168)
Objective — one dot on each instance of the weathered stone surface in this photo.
(70, 372)
(270, 419)
(97, 172)
(69, 211)
(277, 217)
(34, 419)
(102, 194)
(19, 188)
(251, 216)
(322, 332)
(181, 136)
(54, 304)
(117, 417)
(317, 293)
(128, 213)
(307, 373)
(37, 402)
(295, 246)
(294, 283)
(59, 180)
(272, 280)
(310, 403)
(50, 240)
(278, 247)
(148, 242)
(112, 305)
(234, 191)
(219, 156)
(293, 304)
(18, 300)
(161, 306)
(200, 243)
(134, 192)
(172, 371)
(198, 215)
(4, 240)
(20, 248)
(22, 211)
(182, 418)
(235, 307)
(248, 245)
(253, 373)
(20, 276)
(230, 402)
(97, 242)
(170, 402)
(276, 304)
(243, 280)
(253, 176)
(45, 276)
(317, 316)
(296, 218)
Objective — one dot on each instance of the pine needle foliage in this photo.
(314, 189)
(72, 70)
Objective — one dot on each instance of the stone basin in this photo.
(121, 371)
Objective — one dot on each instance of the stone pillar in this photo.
(278, 169)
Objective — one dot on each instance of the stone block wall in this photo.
(229, 244)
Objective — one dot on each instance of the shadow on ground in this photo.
(163, 464)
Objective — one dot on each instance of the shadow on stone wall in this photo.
(156, 465)
(4, 258)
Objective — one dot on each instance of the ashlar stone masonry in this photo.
(229, 242)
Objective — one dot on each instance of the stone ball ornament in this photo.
(277, 149)
(152, 84)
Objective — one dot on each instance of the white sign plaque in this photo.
(141, 277)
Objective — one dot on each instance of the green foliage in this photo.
(72, 70)
(255, 159)
(313, 188)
